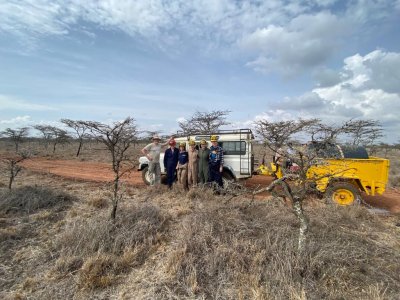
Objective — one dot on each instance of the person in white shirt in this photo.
(152, 152)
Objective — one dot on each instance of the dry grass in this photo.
(394, 175)
(98, 202)
(109, 249)
(91, 151)
(188, 245)
(29, 199)
(237, 253)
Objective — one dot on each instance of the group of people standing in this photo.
(193, 166)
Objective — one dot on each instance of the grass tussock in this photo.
(100, 250)
(29, 199)
(252, 253)
(200, 193)
(98, 202)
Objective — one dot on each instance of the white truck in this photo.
(238, 153)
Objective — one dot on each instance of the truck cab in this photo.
(238, 153)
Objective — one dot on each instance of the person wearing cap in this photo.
(182, 166)
(152, 152)
(171, 156)
(193, 164)
(216, 161)
(204, 154)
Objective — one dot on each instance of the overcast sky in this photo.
(160, 60)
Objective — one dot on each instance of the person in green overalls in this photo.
(204, 154)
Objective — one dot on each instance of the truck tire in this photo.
(145, 175)
(227, 177)
(343, 194)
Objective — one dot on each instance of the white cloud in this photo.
(180, 119)
(280, 36)
(17, 120)
(11, 103)
(307, 41)
(362, 93)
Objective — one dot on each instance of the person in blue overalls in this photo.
(216, 162)
(170, 162)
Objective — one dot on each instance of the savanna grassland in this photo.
(57, 241)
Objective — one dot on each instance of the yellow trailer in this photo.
(342, 179)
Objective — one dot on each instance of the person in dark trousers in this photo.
(170, 162)
(204, 155)
(216, 162)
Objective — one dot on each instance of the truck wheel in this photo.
(145, 175)
(343, 193)
(227, 178)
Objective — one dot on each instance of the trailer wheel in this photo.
(343, 193)
(146, 176)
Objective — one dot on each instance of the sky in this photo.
(159, 61)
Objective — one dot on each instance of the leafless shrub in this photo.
(12, 165)
(32, 198)
(118, 138)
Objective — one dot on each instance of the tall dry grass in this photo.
(102, 249)
(239, 253)
(27, 199)
(197, 245)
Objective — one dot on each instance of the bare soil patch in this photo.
(81, 170)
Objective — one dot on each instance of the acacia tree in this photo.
(80, 129)
(12, 165)
(363, 132)
(46, 133)
(278, 137)
(118, 138)
(17, 136)
(52, 134)
(204, 122)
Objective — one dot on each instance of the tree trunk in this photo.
(79, 148)
(115, 197)
(11, 180)
(299, 212)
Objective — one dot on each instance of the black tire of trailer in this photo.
(343, 193)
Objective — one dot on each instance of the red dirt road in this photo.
(88, 171)
(101, 172)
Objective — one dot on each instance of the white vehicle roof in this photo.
(223, 135)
